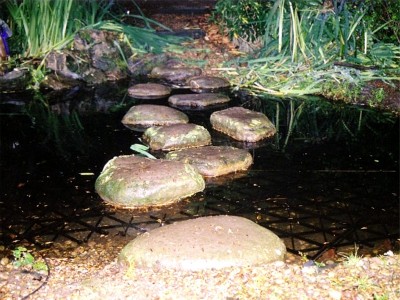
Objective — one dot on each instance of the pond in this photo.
(328, 179)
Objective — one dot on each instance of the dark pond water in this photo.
(329, 178)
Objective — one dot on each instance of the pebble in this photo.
(4, 261)
(335, 294)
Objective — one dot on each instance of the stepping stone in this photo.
(198, 100)
(213, 242)
(147, 115)
(149, 91)
(242, 124)
(131, 181)
(203, 84)
(214, 160)
(178, 136)
(175, 74)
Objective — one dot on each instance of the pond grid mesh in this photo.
(307, 221)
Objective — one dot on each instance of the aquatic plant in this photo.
(42, 26)
(306, 45)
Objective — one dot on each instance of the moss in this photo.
(344, 91)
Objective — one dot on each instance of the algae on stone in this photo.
(132, 181)
(147, 115)
(178, 136)
(214, 160)
(242, 124)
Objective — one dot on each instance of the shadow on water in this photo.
(327, 179)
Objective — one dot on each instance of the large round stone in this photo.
(202, 84)
(149, 91)
(178, 136)
(204, 243)
(131, 181)
(242, 124)
(214, 160)
(175, 74)
(147, 115)
(198, 100)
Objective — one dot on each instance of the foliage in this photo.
(302, 42)
(140, 39)
(41, 26)
(244, 18)
(23, 258)
(38, 27)
(385, 16)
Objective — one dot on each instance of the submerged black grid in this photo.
(309, 220)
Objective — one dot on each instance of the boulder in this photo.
(131, 181)
(177, 136)
(242, 124)
(204, 243)
(15, 80)
(147, 115)
(149, 91)
(198, 100)
(214, 160)
(142, 65)
(175, 74)
(201, 84)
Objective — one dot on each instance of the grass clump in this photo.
(352, 259)
(308, 46)
(42, 26)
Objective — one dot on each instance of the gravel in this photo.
(91, 271)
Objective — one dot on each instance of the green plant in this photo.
(364, 283)
(41, 26)
(352, 259)
(23, 258)
(384, 15)
(244, 18)
(38, 27)
(379, 95)
(140, 39)
(305, 259)
(142, 149)
(381, 297)
(303, 43)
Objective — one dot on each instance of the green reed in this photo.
(51, 24)
(45, 25)
(303, 40)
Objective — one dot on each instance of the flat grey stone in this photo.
(242, 124)
(147, 115)
(175, 74)
(131, 181)
(203, 84)
(214, 160)
(198, 100)
(204, 243)
(177, 136)
(149, 91)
